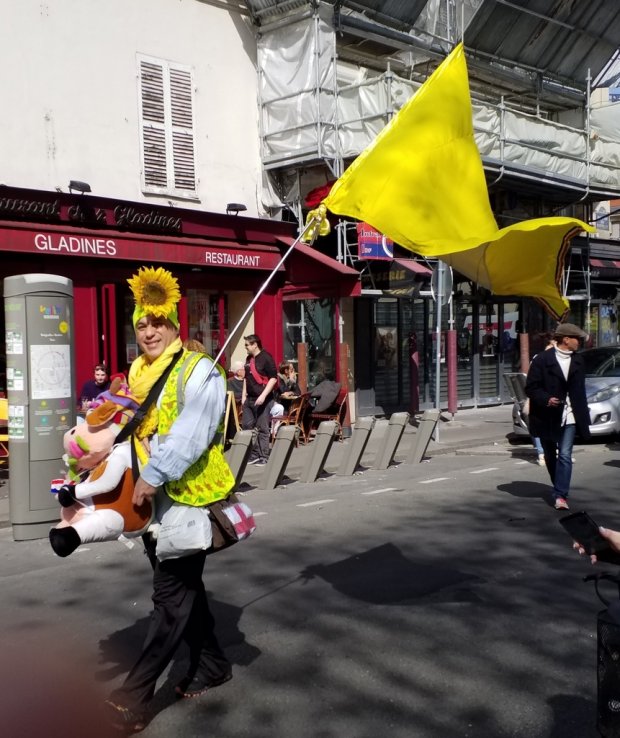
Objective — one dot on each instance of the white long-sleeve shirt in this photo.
(193, 430)
(564, 359)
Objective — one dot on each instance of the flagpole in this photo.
(439, 303)
(309, 225)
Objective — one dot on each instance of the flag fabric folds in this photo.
(421, 183)
(525, 260)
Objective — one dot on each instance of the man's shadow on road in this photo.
(120, 649)
(528, 490)
(383, 576)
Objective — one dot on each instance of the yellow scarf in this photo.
(142, 376)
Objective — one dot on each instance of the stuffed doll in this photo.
(96, 497)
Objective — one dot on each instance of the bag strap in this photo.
(133, 424)
(181, 381)
(258, 377)
(135, 469)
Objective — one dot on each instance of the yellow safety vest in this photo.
(209, 478)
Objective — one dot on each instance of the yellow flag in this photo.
(525, 259)
(421, 183)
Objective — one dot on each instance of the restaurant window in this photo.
(131, 345)
(311, 322)
(166, 127)
(208, 319)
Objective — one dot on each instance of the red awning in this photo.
(414, 266)
(110, 244)
(611, 263)
(313, 274)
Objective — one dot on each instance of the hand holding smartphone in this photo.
(581, 528)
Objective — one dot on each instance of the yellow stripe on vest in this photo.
(209, 478)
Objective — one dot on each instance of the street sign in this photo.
(444, 273)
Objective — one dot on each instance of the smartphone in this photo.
(581, 528)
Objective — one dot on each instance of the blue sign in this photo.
(373, 245)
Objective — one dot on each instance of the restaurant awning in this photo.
(112, 245)
(311, 274)
(415, 267)
(604, 268)
(396, 277)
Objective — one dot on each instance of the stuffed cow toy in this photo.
(96, 498)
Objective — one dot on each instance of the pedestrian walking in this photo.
(261, 377)
(558, 406)
(186, 466)
(548, 343)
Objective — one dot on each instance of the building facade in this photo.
(134, 139)
(333, 74)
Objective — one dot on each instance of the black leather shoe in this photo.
(123, 719)
(196, 686)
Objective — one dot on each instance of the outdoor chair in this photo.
(337, 412)
(294, 416)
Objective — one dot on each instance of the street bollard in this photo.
(396, 428)
(321, 447)
(239, 452)
(422, 438)
(286, 438)
(361, 433)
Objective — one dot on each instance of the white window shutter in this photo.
(166, 117)
(153, 122)
(181, 111)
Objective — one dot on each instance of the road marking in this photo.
(517, 463)
(316, 502)
(258, 514)
(379, 491)
(482, 471)
(437, 479)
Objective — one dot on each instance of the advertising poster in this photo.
(386, 347)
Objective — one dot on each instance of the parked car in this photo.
(602, 366)
(603, 388)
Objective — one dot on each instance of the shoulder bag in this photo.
(231, 521)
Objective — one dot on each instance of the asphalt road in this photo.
(436, 601)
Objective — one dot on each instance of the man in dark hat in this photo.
(558, 406)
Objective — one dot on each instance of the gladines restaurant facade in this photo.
(221, 261)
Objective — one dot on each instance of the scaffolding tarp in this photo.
(308, 114)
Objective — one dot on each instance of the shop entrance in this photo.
(496, 339)
(391, 352)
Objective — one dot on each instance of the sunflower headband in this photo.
(156, 293)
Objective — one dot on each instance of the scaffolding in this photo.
(318, 111)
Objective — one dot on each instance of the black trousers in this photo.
(259, 417)
(180, 612)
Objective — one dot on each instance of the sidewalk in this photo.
(482, 431)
